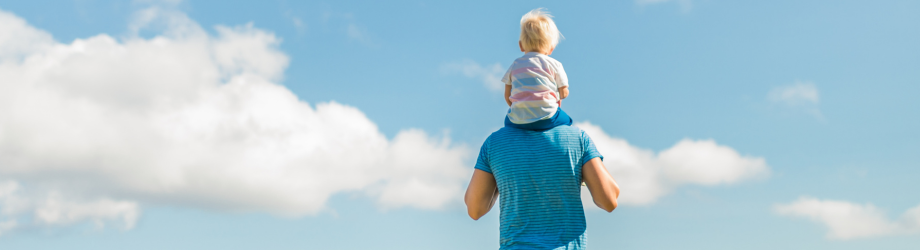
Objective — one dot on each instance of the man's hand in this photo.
(481, 194)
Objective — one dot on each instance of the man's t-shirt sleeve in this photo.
(590, 150)
(482, 162)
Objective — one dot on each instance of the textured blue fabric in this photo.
(559, 119)
(539, 183)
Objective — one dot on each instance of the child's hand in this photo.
(564, 92)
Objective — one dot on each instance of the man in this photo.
(539, 176)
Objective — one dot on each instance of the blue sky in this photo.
(824, 93)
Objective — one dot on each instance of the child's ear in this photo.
(521, 46)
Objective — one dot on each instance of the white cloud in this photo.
(704, 162)
(800, 93)
(846, 220)
(50, 208)
(644, 176)
(489, 75)
(798, 96)
(18, 39)
(94, 129)
(6, 226)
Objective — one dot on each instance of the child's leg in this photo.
(561, 118)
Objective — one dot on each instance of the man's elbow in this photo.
(608, 206)
(612, 206)
(474, 212)
(472, 209)
(474, 215)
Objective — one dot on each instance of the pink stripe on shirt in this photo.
(528, 70)
(534, 96)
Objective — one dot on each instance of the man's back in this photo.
(538, 174)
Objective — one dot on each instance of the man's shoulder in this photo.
(569, 129)
(568, 133)
(557, 131)
(502, 132)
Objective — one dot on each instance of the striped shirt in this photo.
(535, 80)
(539, 183)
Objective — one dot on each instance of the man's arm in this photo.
(604, 190)
(481, 194)
(564, 92)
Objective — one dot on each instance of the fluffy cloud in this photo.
(644, 176)
(53, 209)
(490, 75)
(846, 220)
(96, 128)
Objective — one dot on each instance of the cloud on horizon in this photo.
(96, 129)
(644, 176)
(847, 220)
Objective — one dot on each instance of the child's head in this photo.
(539, 32)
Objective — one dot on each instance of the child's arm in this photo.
(564, 92)
(508, 94)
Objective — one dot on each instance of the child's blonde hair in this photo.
(538, 31)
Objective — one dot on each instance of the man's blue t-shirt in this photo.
(539, 183)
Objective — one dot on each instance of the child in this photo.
(535, 84)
